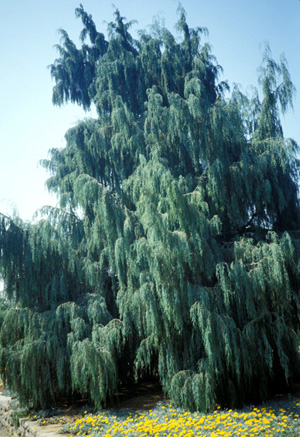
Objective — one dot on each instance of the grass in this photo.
(270, 419)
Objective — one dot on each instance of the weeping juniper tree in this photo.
(174, 249)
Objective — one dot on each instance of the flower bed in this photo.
(270, 419)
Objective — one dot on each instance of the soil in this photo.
(143, 396)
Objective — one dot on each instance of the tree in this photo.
(174, 251)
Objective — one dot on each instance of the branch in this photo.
(242, 230)
(5, 216)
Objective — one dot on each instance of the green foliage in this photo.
(169, 253)
(4, 307)
(59, 352)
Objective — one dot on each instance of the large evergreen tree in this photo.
(174, 251)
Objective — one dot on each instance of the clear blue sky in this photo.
(30, 125)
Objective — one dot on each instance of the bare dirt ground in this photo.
(142, 397)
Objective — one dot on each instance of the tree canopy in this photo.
(174, 249)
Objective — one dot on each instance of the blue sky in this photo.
(30, 125)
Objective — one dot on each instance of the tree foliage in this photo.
(174, 251)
